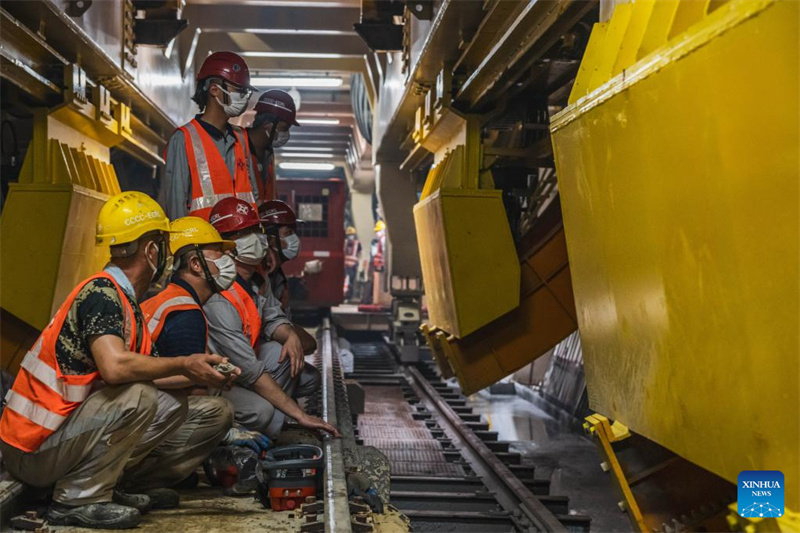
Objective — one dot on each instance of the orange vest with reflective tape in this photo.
(248, 312)
(266, 185)
(172, 298)
(42, 397)
(211, 179)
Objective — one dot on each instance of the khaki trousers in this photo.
(133, 435)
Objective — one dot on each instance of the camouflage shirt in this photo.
(95, 311)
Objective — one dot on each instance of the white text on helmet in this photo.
(142, 217)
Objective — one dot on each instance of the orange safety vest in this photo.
(266, 186)
(172, 298)
(42, 396)
(211, 179)
(248, 312)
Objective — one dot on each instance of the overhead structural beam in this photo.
(221, 16)
(290, 43)
(532, 33)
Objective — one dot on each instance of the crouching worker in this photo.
(83, 414)
(255, 334)
(279, 222)
(203, 266)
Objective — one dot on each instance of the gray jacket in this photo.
(226, 333)
(176, 187)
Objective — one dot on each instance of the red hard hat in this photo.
(279, 103)
(277, 213)
(232, 214)
(228, 66)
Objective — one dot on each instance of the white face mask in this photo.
(227, 271)
(281, 138)
(238, 103)
(162, 270)
(250, 250)
(292, 248)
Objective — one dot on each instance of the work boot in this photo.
(163, 498)
(105, 515)
(140, 502)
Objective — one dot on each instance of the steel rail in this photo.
(337, 506)
(509, 491)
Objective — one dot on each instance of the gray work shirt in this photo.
(226, 332)
(176, 188)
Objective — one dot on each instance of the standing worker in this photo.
(275, 115)
(175, 316)
(352, 253)
(83, 413)
(207, 159)
(255, 334)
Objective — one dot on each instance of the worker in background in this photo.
(203, 266)
(279, 222)
(84, 413)
(352, 253)
(207, 159)
(275, 115)
(255, 334)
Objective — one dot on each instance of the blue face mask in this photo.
(291, 248)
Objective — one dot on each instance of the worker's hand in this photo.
(293, 349)
(239, 436)
(312, 422)
(232, 377)
(200, 369)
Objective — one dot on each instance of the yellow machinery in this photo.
(47, 228)
(678, 162)
(490, 313)
(469, 262)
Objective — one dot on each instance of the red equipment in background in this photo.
(316, 277)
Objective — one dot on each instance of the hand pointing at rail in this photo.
(312, 422)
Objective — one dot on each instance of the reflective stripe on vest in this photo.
(42, 397)
(157, 309)
(35, 413)
(248, 312)
(211, 178)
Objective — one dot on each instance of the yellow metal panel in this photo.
(457, 230)
(683, 225)
(628, 48)
(544, 317)
(617, 28)
(688, 13)
(589, 64)
(47, 233)
(658, 26)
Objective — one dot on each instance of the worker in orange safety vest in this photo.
(208, 159)
(84, 413)
(276, 113)
(252, 330)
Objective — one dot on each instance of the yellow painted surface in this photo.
(469, 262)
(545, 316)
(47, 233)
(680, 187)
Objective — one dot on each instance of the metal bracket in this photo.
(603, 434)
(76, 8)
(421, 9)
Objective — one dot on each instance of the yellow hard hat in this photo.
(380, 225)
(127, 216)
(350, 230)
(187, 231)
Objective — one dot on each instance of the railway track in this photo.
(449, 471)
